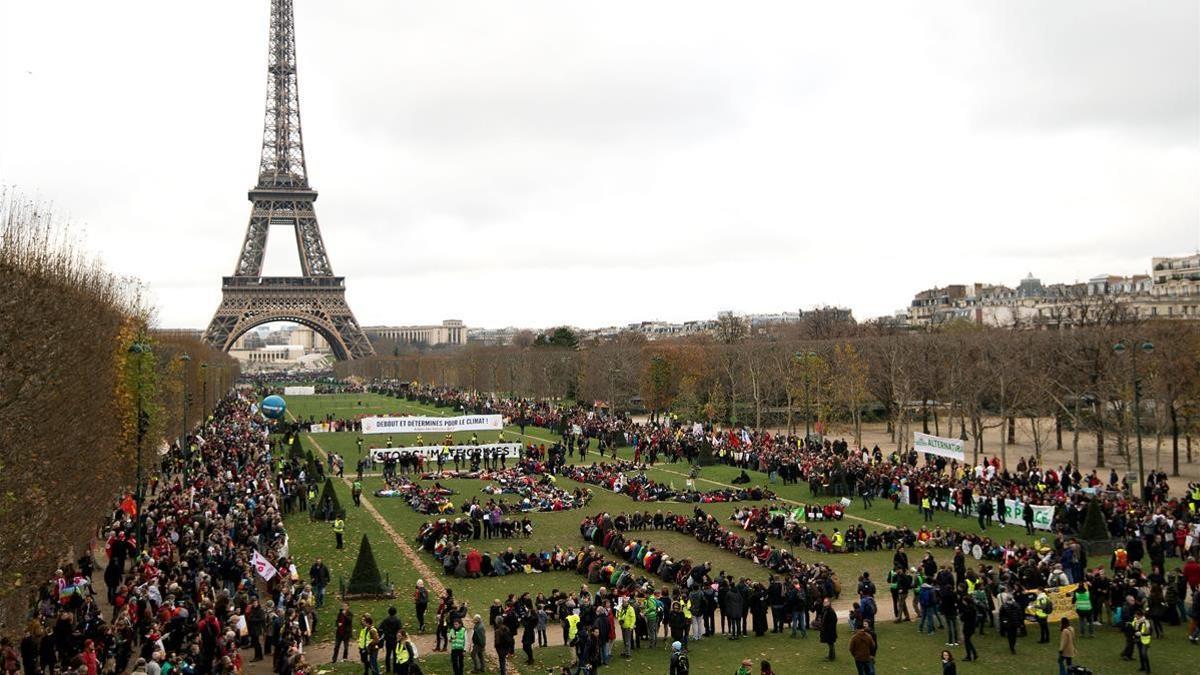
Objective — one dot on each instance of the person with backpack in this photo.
(679, 660)
(368, 646)
(420, 604)
(1042, 607)
(1011, 618)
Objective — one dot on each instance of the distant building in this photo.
(1172, 291)
(450, 332)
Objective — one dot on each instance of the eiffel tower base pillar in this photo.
(316, 302)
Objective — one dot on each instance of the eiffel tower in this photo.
(316, 298)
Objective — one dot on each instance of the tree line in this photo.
(962, 381)
(71, 385)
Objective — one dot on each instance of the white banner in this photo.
(322, 428)
(936, 445)
(415, 424)
(263, 566)
(299, 391)
(432, 451)
(1043, 516)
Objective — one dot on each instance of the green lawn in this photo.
(901, 647)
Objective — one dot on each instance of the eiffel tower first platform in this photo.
(317, 298)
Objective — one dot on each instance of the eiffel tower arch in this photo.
(282, 197)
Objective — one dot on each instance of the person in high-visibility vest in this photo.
(458, 646)
(368, 646)
(927, 507)
(339, 528)
(405, 654)
(1141, 636)
(628, 619)
(1041, 611)
(1083, 607)
(650, 612)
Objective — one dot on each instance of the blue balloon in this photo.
(274, 407)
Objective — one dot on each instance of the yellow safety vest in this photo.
(1141, 628)
(339, 526)
(365, 638)
(1039, 607)
(572, 626)
(687, 609)
(402, 653)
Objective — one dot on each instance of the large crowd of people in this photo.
(630, 479)
(189, 598)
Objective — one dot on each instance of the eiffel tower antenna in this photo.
(282, 197)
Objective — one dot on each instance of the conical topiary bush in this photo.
(1094, 527)
(366, 579)
(336, 506)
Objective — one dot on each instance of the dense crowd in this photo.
(188, 599)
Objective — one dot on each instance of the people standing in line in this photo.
(1066, 646)
(828, 620)
(862, 648)
(679, 660)
(478, 643)
(948, 666)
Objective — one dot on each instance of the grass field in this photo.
(901, 648)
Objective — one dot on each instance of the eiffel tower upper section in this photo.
(282, 195)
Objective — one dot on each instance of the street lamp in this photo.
(138, 350)
(806, 359)
(1147, 347)
(185, 448)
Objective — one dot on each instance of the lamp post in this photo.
(185, 448)
(1147, 347)
(204, 395)
(805, 360)
(139, 350)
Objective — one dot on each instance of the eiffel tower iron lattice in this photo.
(316, 299)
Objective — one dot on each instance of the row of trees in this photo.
(963, 380)
(71, 385)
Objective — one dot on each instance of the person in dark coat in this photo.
(758, 609)
(733, 612)
(828, 620)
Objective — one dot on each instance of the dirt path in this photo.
(322, 653)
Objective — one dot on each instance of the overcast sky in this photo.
(538, 163)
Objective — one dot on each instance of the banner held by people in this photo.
(936, 445)
(417, 424)
(432, 451)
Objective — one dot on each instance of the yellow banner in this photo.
(1061, 598)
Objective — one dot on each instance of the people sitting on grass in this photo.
(630, 479)
(427, 500)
